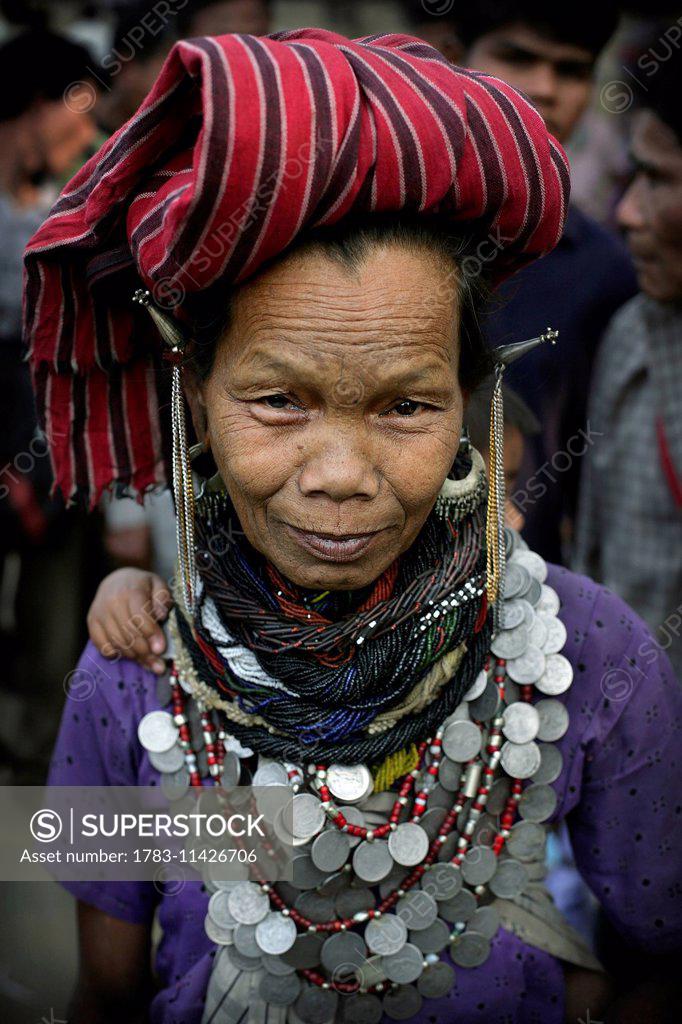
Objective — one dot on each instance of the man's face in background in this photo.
(650, 212)
(555, 76)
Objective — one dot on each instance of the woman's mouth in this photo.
(333, 547)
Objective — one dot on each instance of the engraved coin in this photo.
(557, 676)
(448, 848)
(551, 763)
(174, 785)
(276, 965)
(221, 936)
(244, 963)
(556, 634)
(537, 803)
(460, 908)
(280, 991)
(432, 820)
(520, 722)
(353, 816)
(402, 1003)
(432, 939)
(232, 768)
(219, 910)
(417, 908)
(534, 592)
(516, 580)
(404, 966)
(533, 562)
(436, 980)
(485, 921)
(157, 731)
(470, 949)
(353, 901)
(409, 844)
(386, 934)
(462, 740)
(510, 643)
(510, 541)
(479, 865)
(330, 850)
(370, 972)
(362, 1008)
(478, 686)
(315, 907)
(305, 952)
(307, 815)
(316, 1005)
(343, 949)
(449, 774)
(527, 668)
(393, 880)
(275, 934)
(485, 706)
(511, 614)
(334, 884)
(549, 600)
(537, 634)
(510, 879)
(520, 760)
(247, 904)
(526, 841)
(553, 719)
(372, 861)
(306, 874)
(245, 940)
(498, 795)
(349, 782)
(270, 773)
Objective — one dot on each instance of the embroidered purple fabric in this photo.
(620, 790)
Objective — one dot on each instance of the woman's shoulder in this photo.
(97, 742)
(624, 702)
(603, 631)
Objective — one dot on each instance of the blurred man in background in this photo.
(550, 54)
(42, 577)
(215, 17)
(630, 519)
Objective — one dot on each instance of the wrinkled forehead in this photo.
(396, 305)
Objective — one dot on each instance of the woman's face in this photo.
(333, 410)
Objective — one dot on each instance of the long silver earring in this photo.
(176, 341)
(495, 546)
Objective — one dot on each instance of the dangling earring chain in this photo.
(496, 558)
(183, 489)
(176, 340)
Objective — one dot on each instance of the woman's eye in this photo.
(276, 401)
(406, 407)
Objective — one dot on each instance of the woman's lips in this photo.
(333, 547)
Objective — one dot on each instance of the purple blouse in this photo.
(620, 788)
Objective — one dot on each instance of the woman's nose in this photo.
(340, 468)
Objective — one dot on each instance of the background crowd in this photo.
(594, 425)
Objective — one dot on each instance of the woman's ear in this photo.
(197, 406)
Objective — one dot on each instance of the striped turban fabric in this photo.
(242, 143)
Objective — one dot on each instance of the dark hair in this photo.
(560, 22)
(349, 243)
(39, 65)
(659, 89)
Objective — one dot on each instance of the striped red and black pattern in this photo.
(242, 142)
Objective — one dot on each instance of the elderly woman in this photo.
(315, 220)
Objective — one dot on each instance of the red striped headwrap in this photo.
(242, 143)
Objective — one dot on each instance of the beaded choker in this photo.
(341, 676)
